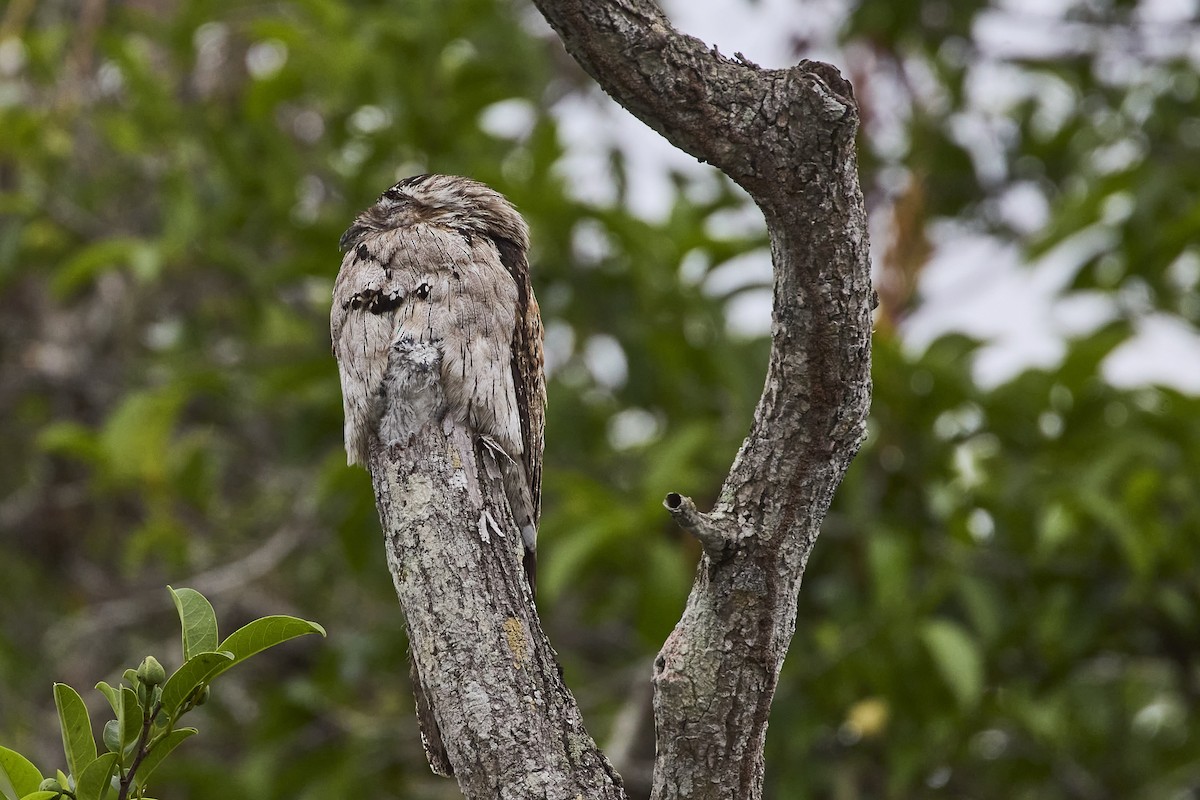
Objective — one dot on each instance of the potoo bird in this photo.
(434, 315)
(434, 318)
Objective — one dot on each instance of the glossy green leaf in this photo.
(18, 775)
(79, 745)
(194, 673)
(160, 751)
(96, 781)
(43, 796)
(198, 620)
(111, 694)
(256, 636)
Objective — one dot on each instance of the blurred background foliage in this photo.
(1004, 602)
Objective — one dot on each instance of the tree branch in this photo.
(510, 727)
(787, 137)
(713, 534)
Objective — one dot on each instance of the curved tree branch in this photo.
(787, 137)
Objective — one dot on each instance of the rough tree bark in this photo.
(507, 721)
(787, 137)
(509, 724)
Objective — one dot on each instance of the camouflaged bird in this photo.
(434, 314)
(434, 317)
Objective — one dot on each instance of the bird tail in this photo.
(520, 503)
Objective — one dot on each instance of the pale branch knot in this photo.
(716, 539)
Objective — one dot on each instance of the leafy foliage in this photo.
(147, 709)
(1000, 603)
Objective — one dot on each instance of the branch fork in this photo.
(511, 728)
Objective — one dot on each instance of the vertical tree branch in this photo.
(787, 137)
(510, 726)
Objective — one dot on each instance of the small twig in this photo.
(716, 539)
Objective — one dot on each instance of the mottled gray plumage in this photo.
(434, 287)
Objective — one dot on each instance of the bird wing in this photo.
(528, 368)
(361, 324)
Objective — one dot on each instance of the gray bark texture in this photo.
(788, 138)
(509, 725)
(507, 722)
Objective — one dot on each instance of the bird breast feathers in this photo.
(428, 284)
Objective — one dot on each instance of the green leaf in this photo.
(69, 439)
(195, 672)
(256, 636)
(983, 606)
(95, 782)
(18, 775)
(112, 694)
(160, 751)
(78, 742)
(42, 796)
(136, 438)
(198, 619)
(957, 658)
(132, 715)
